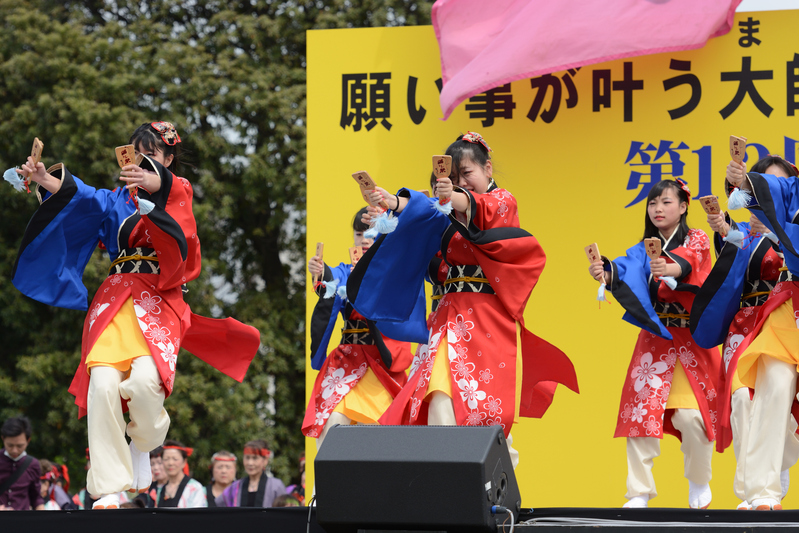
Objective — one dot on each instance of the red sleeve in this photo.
(770, 266)
(695, 251)
(495, 209)
(173, 232)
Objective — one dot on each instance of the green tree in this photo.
(231, 75)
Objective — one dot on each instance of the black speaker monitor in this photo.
(432, 478)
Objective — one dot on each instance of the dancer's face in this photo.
(254, 465)
(156, 155)
(665, 211)
(472, 176)
(364, 243)
(224, 472)
(173, 462)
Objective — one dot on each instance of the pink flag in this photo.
(488, 43)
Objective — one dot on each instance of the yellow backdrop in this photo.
(577, 170)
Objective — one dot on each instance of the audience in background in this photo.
(20, 486)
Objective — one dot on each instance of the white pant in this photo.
(764, 456)
(641, 452)
(441, 412)
(111, 468)
(740, 419)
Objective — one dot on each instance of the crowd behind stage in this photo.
(29, 483)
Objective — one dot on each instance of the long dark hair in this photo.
(761, 166)
(650, 230)
(147, 139)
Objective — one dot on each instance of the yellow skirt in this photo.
(441, 376)
(120, 342)
(681, 395)
(779, 339)
(367, 402)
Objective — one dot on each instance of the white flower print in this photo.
(711, 395)
(96, 312)
(669, 358)
(168, 354)
(330, 403)
(654, 401)
(116, 279)
(639, 413)
(156, 333)
(470, 393)
(634, 432)
(502, 209)
(729, 349)
(626, 413)
(337, 382)
(687, 357)
(475, 418)
(321, 418)
(642, 395)
(415, 403)
(460, 328)
(149, 303)
(646, 373)
(485, 375)
(461, 368)
(493, 406)
(652, 426)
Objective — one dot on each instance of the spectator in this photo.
(181, 490)
(20, 488)
(52, 491)
(223, 473)
(257, 488)
(286, 500)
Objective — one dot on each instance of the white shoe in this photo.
(744, 506)
(637, 502)
(699, 496)
(110, 501)
(785, 482)
(766, 504)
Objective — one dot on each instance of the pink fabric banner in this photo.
(488, 43)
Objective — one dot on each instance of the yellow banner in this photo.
(579, 150)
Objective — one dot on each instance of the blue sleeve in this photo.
(387, 285)
(324, 316)
(60, 239)
(719, 297)
(775, 202)
(630, 286)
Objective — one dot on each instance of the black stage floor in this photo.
(291, 520)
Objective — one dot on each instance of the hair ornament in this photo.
(218, 457)
(184, 449)
(167, 132)
(476, 138)
(263, 452)
(684, 186)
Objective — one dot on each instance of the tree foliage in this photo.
(231, 75)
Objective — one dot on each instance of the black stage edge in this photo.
(294, 519)
(654, 520)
